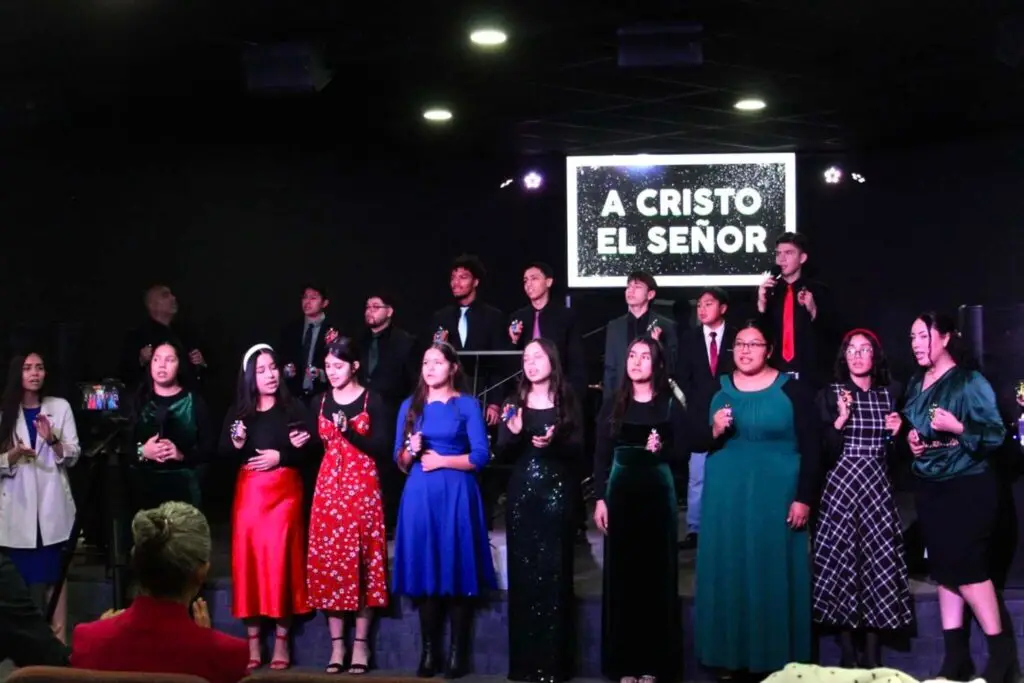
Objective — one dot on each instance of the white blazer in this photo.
(35, 493)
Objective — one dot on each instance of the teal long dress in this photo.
(753, 595)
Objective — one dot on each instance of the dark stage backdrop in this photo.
(236, 229)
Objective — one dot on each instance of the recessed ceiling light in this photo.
(750, 105)
(488, 37)
(437, 115)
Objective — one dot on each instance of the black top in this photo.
(814, 340)
(182, 419)
(557, 324)
(636, 425)
(486, 331)
(398, 365)
(269, 430)
(378, 442)
(565, 444)
(25, 635)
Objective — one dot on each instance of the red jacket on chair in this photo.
(159, 636)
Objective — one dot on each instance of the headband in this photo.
(866, 332)
(252, 351)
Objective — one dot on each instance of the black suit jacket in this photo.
(486, 331)
(815, 340)
(693, 366)
(558, 325)
(289, 349)
(25, 636)
(397, 369)
(152, 333)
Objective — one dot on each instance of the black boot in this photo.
(1001, 666)
(430, 663)
(847, 650)
(872, 651)
(956, 664)
(458, 655)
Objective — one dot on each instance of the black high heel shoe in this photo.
(336, 667)
(355, 668)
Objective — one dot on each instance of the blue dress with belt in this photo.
(41, 564)
(441, 542)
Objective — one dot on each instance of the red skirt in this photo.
(267, 553)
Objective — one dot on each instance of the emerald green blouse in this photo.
(968, 396)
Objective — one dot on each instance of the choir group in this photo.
(798, 524)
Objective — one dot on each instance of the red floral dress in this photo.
(347, 560)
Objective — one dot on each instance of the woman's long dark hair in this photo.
(957, 347)
(246, 395)
(14, 392)
(145, 390)
(659, 379)
(347, 350)
(565, 400)
(880, 376)
(419, 394)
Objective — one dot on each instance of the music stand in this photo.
(476, 368)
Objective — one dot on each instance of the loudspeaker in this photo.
(995, 338)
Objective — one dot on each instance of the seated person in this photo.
(170, 560)
(25, 637)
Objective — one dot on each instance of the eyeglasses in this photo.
(859, 352)
(748, 346)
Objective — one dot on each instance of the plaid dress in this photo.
(860, 571)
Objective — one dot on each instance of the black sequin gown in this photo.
(541, 519)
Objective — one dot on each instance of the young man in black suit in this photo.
(552, 321)
(302, 347)
(469, 324)
(390, 367)
(705, 354)
(639, 321)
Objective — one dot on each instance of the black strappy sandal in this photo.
(336, 667)
(357, 669)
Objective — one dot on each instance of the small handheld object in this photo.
(653, 326)
(441, 336)
(237, 430)
(289, 370)
(931, 411)
(508, 412)
(408, 447)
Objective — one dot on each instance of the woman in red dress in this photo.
(270, 431)
(347, 565)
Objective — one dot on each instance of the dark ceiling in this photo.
(837, 76)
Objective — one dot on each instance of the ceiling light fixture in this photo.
(488, 37)
(437, 115)
(750, 105)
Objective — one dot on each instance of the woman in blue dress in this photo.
(442, 552)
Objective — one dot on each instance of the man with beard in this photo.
(390, 368)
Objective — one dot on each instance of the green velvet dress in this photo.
(183, 420)
(641, 631)
(753, 594)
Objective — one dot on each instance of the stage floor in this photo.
(589, 557)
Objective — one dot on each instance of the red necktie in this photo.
(713, 353)
(788, 340)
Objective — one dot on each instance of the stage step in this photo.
(396, 640)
